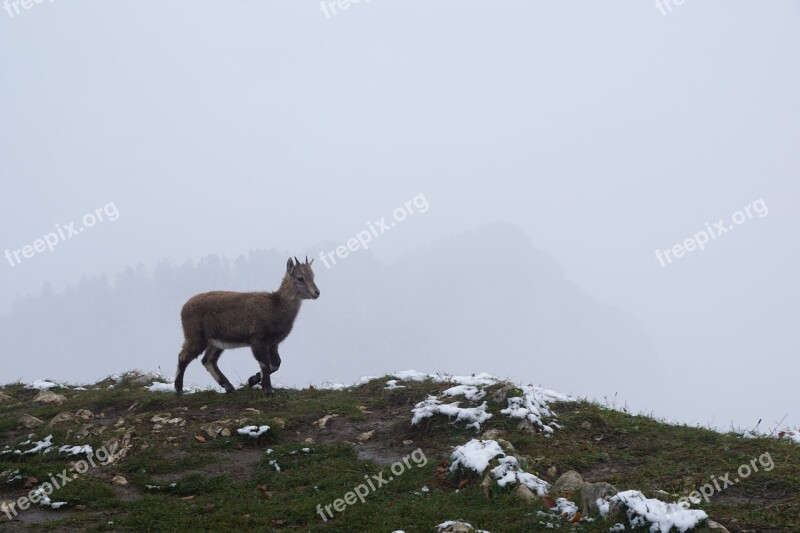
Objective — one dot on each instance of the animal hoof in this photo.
(254, 380)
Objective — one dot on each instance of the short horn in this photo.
(306, 259)
(296, 261)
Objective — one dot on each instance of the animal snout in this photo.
(316, 293)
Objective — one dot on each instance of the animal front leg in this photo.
(274, 365)
(261, 353)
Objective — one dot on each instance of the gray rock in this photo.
(492, 434)
(30, 422)
(61, 418)
(591, 492)
(525, 494)
(47, 396)
(569, 482)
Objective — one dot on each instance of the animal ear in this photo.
(289, 265)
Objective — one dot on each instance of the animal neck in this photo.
(288, 296)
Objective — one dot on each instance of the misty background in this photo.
(558, 146)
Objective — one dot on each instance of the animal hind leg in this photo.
(210, 359)
(190, 351)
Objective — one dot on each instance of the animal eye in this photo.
(301, 278)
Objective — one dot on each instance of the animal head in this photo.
(301, 277)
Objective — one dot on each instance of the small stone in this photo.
(507, 446)
(5, 397)
(279, 423)
(408, 442)
(48, 397)
(552, 472)
(569, 482)
(30, 422)
(492, 434)
(458, 527)
(119, 480)
(322, 422)
(716, 525)
(591, 492)
(500, 395)
(486, 485)
(225, 432)
(61, 418)
(524, 493)
(309, 440)
(586, 425)
(84, 414)
(366, 436)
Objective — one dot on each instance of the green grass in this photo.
(228, 483)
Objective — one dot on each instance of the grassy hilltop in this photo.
(183, 466)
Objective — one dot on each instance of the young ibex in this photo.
(216, 321)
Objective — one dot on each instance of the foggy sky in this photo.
(605, 131)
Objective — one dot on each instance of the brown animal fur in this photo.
(216, 321)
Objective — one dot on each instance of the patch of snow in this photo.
(474, 416)
(331, 386)
(793, 435)
(476, 455)
(305, 450)
(566, 508)
(533, 406)
(482, 379)
(445, 525)
(76, 450)
(469, 392)
(363, 380)
(274, 463)
(13, 475)
(252, 431)
(508, 471)
(41, 446)
(617, 527)
(170, 387)
(41, 384)
(45, 501)
(269, 451)
(392, 384)
(661, 516)
(411, 375)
